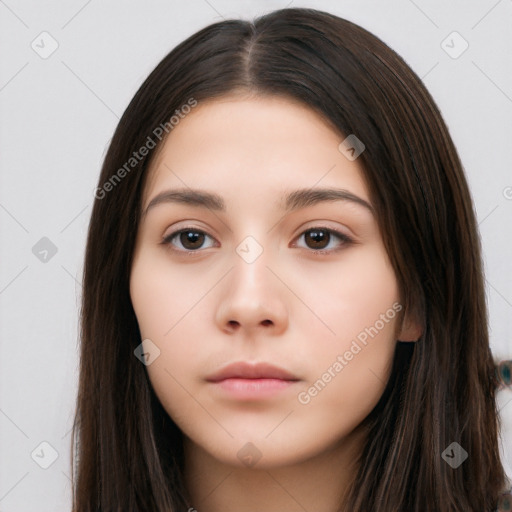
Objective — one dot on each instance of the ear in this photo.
(410, 330)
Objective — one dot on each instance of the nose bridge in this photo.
(252, 296)
(250, 263)
(253, 248)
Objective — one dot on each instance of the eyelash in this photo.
(346, 240)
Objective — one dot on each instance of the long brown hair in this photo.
(442, 388)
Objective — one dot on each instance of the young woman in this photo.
(283, 299)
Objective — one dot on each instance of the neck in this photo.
(318, 483)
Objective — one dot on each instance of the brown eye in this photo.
(189, 239)
(319, 238)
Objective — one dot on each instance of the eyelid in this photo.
(166, 240)
(343, 237)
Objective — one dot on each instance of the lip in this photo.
(245, 370)
(246, 381)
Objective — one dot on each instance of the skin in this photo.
(291, 307)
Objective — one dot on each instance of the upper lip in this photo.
(245, 370)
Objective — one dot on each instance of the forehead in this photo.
(260, 145)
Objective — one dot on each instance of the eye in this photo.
(319, 238)
(190, 239)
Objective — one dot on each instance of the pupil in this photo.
(191, 237)
(317, 236)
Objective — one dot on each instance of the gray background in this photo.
(58, 114)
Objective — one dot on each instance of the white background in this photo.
(59, 113)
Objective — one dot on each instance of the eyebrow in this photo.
(294, 200)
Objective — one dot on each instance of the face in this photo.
(259, 275)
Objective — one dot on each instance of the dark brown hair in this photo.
(442, 388)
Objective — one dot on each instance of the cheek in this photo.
(162, 293)
(350, 366)
(165, 299)
(347, 296)
(345, 301)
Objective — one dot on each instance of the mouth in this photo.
(246, 381)
(246, 370)
(252, 389)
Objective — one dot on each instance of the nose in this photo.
(252, 299)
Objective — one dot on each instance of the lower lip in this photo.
(253, 388)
